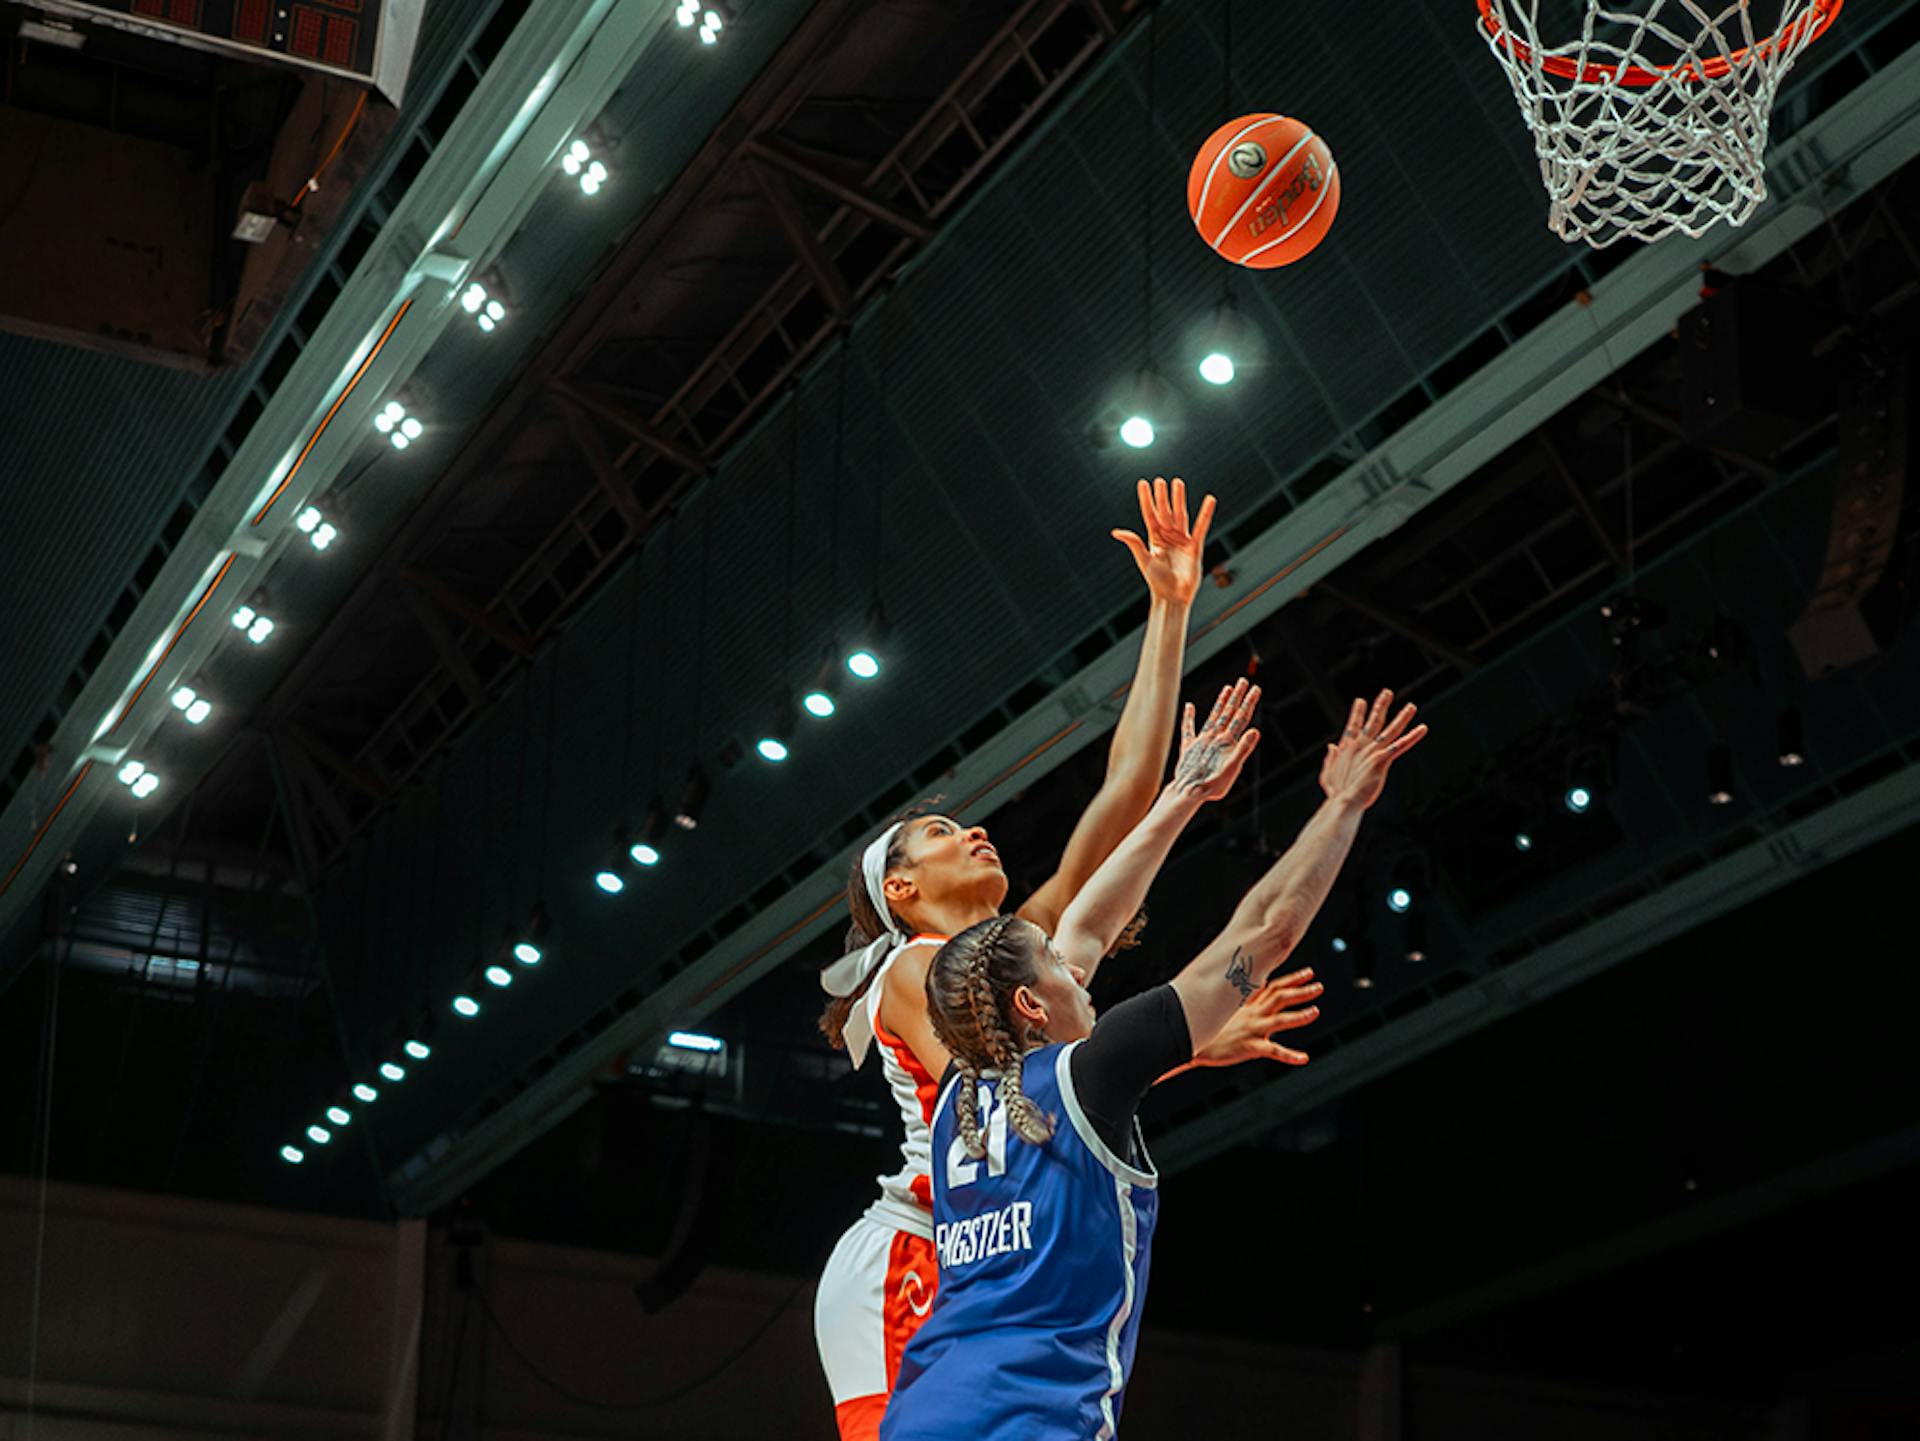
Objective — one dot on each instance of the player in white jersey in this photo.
(926, 878)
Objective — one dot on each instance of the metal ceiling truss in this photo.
(879, 219)
(470, 195)
(1835, 157)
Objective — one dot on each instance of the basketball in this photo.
(1263, 191)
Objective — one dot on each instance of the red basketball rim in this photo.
(1823, 14)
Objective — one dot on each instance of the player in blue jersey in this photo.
(1044, 1196)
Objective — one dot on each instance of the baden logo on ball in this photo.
(1263, 191)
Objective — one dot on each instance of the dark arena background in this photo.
(447, 447)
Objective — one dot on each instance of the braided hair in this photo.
(970, 988)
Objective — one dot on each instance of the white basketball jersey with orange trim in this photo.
(906, 1196)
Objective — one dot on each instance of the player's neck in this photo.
(949, 918)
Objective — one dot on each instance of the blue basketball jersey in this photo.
(1043, 1265)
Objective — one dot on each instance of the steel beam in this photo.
(460, 608)
(1400, 626)
(794, 224)
(593, 450)
(782, 155)
(601, 402)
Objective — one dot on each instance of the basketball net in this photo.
(1654, 121)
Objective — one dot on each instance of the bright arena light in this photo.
(466, 1006)
(319, 1135)
(419, 1050)
(131, 772)
(694, 1041)
(261, 628)
(146, 786)
(1217, 369)
(1579, 799)
(864, 664)
(324, 535)
(198, 712)
(1137, 431)
(527, 953)
(292, 1155)
(392, 1071)
(244, 617)
(687, 13)
(610, 882)
(643, 855)
(184, 697)
(307, 520)
(339, 1115)
(365, 1093)
(1399, 899)
(772, 750)
(499, 976)
(711, 25)
(817, 703)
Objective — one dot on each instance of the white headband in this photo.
(850, 972)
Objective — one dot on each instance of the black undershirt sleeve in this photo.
(1132, 1046)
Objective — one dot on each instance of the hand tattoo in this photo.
(1200, 763)
(1240, 975)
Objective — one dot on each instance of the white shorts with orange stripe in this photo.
(877, 1289)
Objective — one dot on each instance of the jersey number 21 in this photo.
(962, 1169)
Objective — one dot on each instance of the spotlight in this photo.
(693, 797)
(864, 659)
(576, 158)
(1144, 410)
(687, 13)
(492, 315)
(1720, 774)
(818, 700)
(711, 24)
(594, 177)
(198, 712)
(393, 1072)
(694, 1041)
(323, 535)
(646, 850)
(1226, 343)
(131, 772)
(364, 1093)
(499, 976)
(1339, 945)
(308, 520)
(396, 425)
(1522, 841)
(1578, 799)
(473, 298)
(527, 953)
(261, 628)
(292, 1155)
(1399, 900)
(338, 1115)
(465, 1005)
(417, 1049)
(319, 1135)
(609, 881)
(1793, 738)
(193, 707)
(244, 617)
(773, 746)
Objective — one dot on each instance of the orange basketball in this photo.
(1263, 190)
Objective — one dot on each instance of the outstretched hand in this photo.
(1169, 556)
(1356, 765)
(1211, 758)
(1284, 1004)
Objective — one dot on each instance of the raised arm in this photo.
(1169, 557)
(1273, 916)
(1210, 761)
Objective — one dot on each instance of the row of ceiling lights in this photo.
(520, 951)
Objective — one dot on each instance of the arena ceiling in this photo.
(843, 328)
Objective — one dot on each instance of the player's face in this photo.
(1062, 990)
(953, 863)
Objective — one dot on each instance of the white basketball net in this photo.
(1651, 120)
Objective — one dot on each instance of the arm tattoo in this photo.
(1240, 975)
